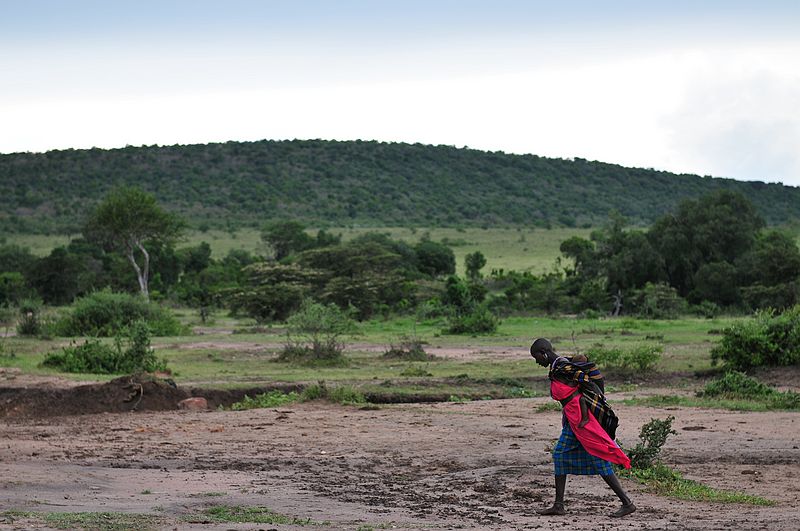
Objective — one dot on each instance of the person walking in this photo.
(584, 446)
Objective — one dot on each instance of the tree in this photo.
(286, 237)
(474, 262)
(435, 259)
(129, 220)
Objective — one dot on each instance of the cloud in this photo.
(740, 122)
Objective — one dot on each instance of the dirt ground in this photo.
(476, 465)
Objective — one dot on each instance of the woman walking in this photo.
(584, 447)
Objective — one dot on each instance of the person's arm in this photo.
(584, 412)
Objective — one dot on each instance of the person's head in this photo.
(542, 351)
(579, 358)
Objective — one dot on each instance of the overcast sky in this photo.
(710, 87)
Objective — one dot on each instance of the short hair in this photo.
(541, 345)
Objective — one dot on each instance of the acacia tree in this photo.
(127, 221)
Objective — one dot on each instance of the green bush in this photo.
(270, 399)
(769, 339)
(736, 385)
(29, 323)
(652, 438)
(409, 349)
(315, 333)
(106, 314)
(641, 357)
(479, 321)
(95, 357)
(343, 394)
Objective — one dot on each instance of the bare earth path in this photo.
(478, 465)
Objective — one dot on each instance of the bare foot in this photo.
(556, 509)
(623, 511)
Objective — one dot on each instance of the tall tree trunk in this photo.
(142, 273)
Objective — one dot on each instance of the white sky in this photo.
(712, 90)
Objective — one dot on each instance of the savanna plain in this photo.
(459, 437)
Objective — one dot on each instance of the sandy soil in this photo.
(478, 465)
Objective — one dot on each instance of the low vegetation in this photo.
(125, 356)
(639, 357)
(770, 339)
(245, 515)
(647, 468)
(106, 314)
(342, 394)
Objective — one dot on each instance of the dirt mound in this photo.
(127, 393)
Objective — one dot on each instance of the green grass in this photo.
(246, 360)
(255, 515)
(523, 249)
(732, 404)
(271, 399)
(662, 480)
(100, 521)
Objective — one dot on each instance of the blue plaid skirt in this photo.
(569, 457)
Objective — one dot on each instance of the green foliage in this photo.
(480, 320)
(270, 399)
(94, 357)
(343, 394)
(652, 438)
(315, 332)
(664, 481)
(734, 385)
(658, 301)
(105, 314)
(409, 349)
(13, 288)
(415, 371)
(473, 263)
(257, 515)
(29, 323)
(640, 357)
(435, 259)
(768, 339)
(369, 183)
(285, 238)
(717, 228)
(129, 220)
(272, 292)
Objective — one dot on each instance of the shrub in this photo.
(479, 321)
(270, 399)
(409, 349)
(652, 438)
(106, 314)
(343, 395)
(414, 371)
(94, 357)
(641, 357)
(736, 385)
(314, 333)
(658, 301)
(29, 323)
(769, 339)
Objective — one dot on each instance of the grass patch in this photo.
(250, 515)
(662, 480)
(271, 399)
(734, 391)
(104, 521)
(548, 406)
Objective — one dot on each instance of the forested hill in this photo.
(355, 182)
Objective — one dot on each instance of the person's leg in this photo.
(558, 505)
(627, 505)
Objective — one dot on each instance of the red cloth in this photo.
(592, 436)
